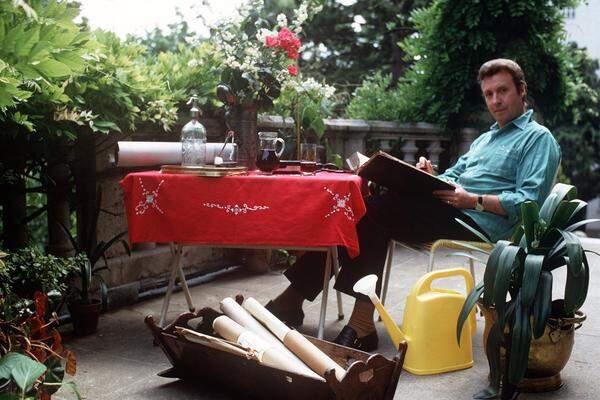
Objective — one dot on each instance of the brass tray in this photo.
(203, 170)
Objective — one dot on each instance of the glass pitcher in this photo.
(267, 159)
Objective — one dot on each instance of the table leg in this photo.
(175, 265)
(184, 285)
(336, 270)
(326, 277)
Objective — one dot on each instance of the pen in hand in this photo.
(426, 165)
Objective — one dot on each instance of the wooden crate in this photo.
(368, 376)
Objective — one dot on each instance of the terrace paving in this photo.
(120, 362)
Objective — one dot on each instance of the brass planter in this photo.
(548, 355)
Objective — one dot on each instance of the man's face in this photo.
(502, 98)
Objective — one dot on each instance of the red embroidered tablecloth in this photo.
(275, 210)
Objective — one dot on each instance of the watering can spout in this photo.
(366, 286)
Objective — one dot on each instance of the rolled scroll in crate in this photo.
(368, 376)
(267, 353)
(295, 341)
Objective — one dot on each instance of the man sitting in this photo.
(515, 161)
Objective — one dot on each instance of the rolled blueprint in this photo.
(234, 311)
(295, 341)
(145, 154)
(214, 343)
(267, 353)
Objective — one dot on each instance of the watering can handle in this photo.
(425, 281)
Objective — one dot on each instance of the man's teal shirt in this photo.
(517, 163)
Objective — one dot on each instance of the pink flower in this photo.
(271, 41)
(292, 69)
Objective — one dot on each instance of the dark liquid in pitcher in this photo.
(267, 160)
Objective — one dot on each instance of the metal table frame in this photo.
(177, 271)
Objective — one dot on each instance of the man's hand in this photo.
(457, 198)
(425, 165)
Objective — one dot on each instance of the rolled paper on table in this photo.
(295, 341)
(234, 311)
(145, 154)
(268, 354)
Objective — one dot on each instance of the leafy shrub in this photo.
(191, 70)
(375, 100)
(28, 270)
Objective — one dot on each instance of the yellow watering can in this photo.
(429, 325)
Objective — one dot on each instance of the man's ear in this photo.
(523, 90)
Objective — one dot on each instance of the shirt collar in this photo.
(520, 122)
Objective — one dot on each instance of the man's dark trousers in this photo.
(410, 219)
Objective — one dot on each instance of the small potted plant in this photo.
(523, 322)
(84, 309)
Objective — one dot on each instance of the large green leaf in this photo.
(576, 225)
(52, 68)
(32, 37)
(531, 215)
(473, 230)
(492, 348)
(542, 305)
(574, 252)
(490, 271)
(531, 275)
(510, 260)
(25, 371)
(465, 311)
(576, 288)
(560, 191)
(520, 343)
(564, 212)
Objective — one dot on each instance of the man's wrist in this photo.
(473, 200)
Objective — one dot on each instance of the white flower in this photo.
(282, 20)
(301, 15)
(193, 63)
(262, 34)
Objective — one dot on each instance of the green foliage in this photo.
(578, 132)
(29, 270)
(191, 70)
(339, 53)
(39, 50)
(455, 37)
(521, 270)
(25, 378)
(177, 35)
(375, 100)
(119, 89)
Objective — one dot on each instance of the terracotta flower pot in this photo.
(85, 317)
(548, 355)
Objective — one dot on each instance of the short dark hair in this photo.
(492, 67)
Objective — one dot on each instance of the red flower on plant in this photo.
(285, 40)
(292, 69)
(271, 41)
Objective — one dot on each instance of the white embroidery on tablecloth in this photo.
(340, 204)
(149, 199)
(235, 209)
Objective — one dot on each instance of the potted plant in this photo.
(522, 320)
(84, 309)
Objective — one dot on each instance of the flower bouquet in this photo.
(261, 58)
